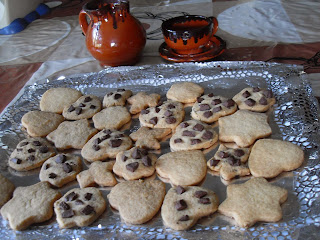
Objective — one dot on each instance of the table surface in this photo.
(276, 31)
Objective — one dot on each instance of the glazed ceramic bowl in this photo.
(189, 34)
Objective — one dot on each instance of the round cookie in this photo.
(85, 107)
(72, 134)
(30, 154)
(209, 108)
(166, 115)
(183, 167)
(192, 135)
(270, 157)
(254, 99)
(79, 207)
(230, 162)
(134, 164)
(60, 169)
(137, 201)
(6, 190)
(40, 124)
(56, 99)
(111, 118)
(183, 206)
(116, 98)
(185, 92)
(105, 144)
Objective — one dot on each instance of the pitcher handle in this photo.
(83, 21)
(215, 25)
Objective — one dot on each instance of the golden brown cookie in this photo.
(111, 118)
(116, 98)
(31, 204)
(142, 100)
(185, 92)
(183, 206)
(270, 157)
(6, 190)
(253, 201)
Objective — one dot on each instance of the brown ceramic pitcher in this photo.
(113, 36)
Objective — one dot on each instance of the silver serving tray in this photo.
(294, 118)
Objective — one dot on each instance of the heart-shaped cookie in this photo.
(137, 201)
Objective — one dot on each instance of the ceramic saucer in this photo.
(215, 48)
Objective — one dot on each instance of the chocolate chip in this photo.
(121, 90)
(170, 106)
(180, 205)
(168, 113)
(96, 141)
(233, 161)
(229, 103)
(144, 111)
(82, 105)
(153, 120)
(23, 144)
(63, 205)
(198, 127)
(256, 89)
(204, 107)
(132, 166)
(204, 201)
(143, 151)
(67, 168)
(47, 166)
(180, 190)
(92, 107)
(239, 152)
(87, 99)
(207, 114)
(115, 143)
(109, 94)
(268, 93)
(52, 175)
(171, 120)
(213, 162)
(199, 99)
(78, 202)
(200, 194)
(71, 108)
(117, 96)
(246, 94)
(31, 158)
(61, 158)
(263, 101)
(157, 109)
(72, 196)
(44, 149)
(88, 196)
(95, 147)
(67, 214)
(146, 161)
(136, 153)
(210, 95)
(31, 150)
(207, 135)
(19, 149)
(159, 103)
(16, 160)
(195, 141)
(124, 158)
(107, 131)
(178, 140)
(87, 210)
(216, 109)
(188, 133)
(36, 143)
(216, 101)
(184, 218)
(104, 137)
(223, 154)
(184, 125)
(250, 102)
(78, 110)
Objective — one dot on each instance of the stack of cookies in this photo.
(130, 163)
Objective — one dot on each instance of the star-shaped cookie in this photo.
(244, 127)
(149, 137)
(253, 201)
(32, 204)
(142, 100)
